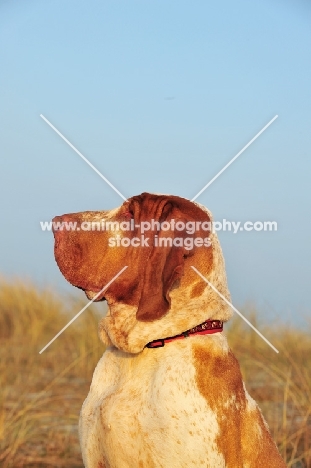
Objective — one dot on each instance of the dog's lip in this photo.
(87, 286)
(91, 294)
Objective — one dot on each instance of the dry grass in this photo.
(41, 395)
(280, 383)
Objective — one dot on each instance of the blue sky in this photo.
(159, 96)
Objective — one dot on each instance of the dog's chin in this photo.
(91, 295)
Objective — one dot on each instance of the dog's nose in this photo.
(57, 223)
(62, 223)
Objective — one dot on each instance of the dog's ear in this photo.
(164, 268)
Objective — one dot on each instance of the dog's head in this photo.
(158, 238)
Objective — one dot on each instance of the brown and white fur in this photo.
(179, 406)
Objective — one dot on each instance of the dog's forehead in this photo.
(98, 215)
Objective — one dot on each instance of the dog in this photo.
(168, 391)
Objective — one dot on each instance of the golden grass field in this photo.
(41, 395)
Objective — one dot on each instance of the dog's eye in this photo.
(128, 214)
(190, 253)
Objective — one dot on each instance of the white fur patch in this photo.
(147, 408)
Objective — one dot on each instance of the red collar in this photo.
(206, 328)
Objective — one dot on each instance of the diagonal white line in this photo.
(235, 310)
(82, 310)
(235, 157)
(83, 157)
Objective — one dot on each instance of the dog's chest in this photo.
(150, 410)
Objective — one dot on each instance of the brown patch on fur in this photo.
(165, 265)
(219, 379)
(243, 437)
(198, 289)
(260, 450)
